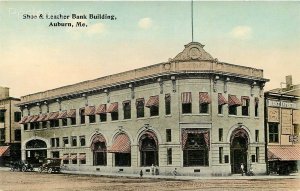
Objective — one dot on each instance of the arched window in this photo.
(148, 149)
(98, 147)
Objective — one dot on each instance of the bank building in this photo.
(193, 113)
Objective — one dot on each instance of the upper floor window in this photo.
(140, 107)
(90, 112)
(204, 101)
(256, 103)
(221, 102)
(233, 103)
(153, 104)
(245, 105)
(72, 115)
(2, 116)
(82, 140)
(17, 135)
(114, 111)
(81, 115)
(168, 104)
(17, 116)
(127, 109)
(65, 141)
(168, 135)
(54, 142)
(74, 141)
(186, 101)
(273, 133)
(101, 111)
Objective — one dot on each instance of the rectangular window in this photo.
(245, 105)
(186, 100)
(257, 154)
(252, 158)
(204, 101)
(232, 109)
(2, 134)
(74, 141)
(187, 108)
(54, 123)
(2, 116)
(204, 108)
(220, 155)
(66, 158)
(127, 109)
(31, 126)
(256, 135)
(169, 156)
(82, 140)
(66, 141)
(168, 135)
(25, 126)
(54, 142)
(73, 120)
(103, 117)
(168, 104)
(256, 102)
(220, 134)
(17, 135)
(92, 118)
(154, 111)
(82, 158)
(220, 109)
(114, 116)
(140, 105)
(64, 122)
(82, 116)
(273, 132)
(17, 116)
(36, 125)
(44, 124)
(74, 158)
(296, 130)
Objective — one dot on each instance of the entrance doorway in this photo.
(36, 152)
(148, 149)
(238, 150)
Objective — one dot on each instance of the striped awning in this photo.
(4, 151)
(53, 115)
(185, 132)
(153, 101)
(34, 118)
(221, 99)
(204, 97)
(233, 100)
(121, 144)
(97, 138)
(42, 117)
(186, 97)
(62, 115)
(82, 156)
(73, 156)
(29, 118)
(65, 157)
(71, 113)
(113, 108)
(23, 120)
(89, 110)
(284, 153)
(101, 109)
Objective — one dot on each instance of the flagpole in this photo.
(192, 15)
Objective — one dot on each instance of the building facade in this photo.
(282, 128)
(10, 129)
(192, 113)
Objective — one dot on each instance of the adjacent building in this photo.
(282, 128)
(10, 129)
(193, 113)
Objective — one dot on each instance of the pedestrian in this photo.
(152, 169)
(141, 174)
(242, 169)
(174, 172)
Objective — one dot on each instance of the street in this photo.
(15, 181)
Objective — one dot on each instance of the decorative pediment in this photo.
(193, 51)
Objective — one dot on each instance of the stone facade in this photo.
(194, 133)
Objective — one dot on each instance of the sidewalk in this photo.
(233, 177)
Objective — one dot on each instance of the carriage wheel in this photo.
(50, 170)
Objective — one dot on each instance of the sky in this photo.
(36, 57)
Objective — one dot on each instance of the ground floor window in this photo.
(99, 158)
(122, 159)
(197, 157)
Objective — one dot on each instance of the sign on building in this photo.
(273, 114)
(286, 121)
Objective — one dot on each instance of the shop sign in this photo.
(283, 104)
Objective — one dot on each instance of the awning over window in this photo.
(101, 109)
(140, 100)
(113, 108)
(95, 139)
(53, 115)
(284, 153)
(4, 151)
(71, 113)
(221, 99)
(186, 97)
(42, 117)
(29, 118)
(65, 157)
(89, 110)
(23, 120)
(185, 132)
(153, 101)
(233, 100)
(167, 97)
(62, 115)
(204, 97)
(34, 118)
(73, 156)
(244, 100)
(82, 156)
(121, 144)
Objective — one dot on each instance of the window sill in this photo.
(153, 117)
(221, 115)
(197, 114)
(168, 115)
